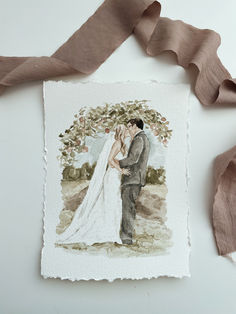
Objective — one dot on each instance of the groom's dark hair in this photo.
(137, 121)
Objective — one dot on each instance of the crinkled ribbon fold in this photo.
(103, 32)
(224, 206)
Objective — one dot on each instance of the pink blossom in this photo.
(85, 149)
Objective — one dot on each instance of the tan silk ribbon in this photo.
(103, 32)
(224, 207)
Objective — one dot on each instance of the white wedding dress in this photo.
(98, 218)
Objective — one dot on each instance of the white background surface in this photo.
(36, 28)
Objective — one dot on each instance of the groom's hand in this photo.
(126, 171)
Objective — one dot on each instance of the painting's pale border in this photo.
(61, 101)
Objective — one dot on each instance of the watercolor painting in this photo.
(113, 181)
(116, 180)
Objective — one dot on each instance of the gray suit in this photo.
(136, 162)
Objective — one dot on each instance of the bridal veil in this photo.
(84, 211)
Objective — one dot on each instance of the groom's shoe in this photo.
(127, 241)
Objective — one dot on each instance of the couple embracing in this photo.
(107, 213)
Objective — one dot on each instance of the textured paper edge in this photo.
(187, 177)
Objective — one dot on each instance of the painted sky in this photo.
(156, 157)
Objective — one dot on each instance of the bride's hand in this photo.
(126, 172)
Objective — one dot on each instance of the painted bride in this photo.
(98, 217)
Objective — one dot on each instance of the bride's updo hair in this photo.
(120, 131)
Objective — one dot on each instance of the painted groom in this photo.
(136, 162)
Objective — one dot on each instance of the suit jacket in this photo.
(136, 160)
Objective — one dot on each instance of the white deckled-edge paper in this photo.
(61, 101)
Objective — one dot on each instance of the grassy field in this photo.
(151, 237)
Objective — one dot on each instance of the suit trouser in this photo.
(129, 194)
